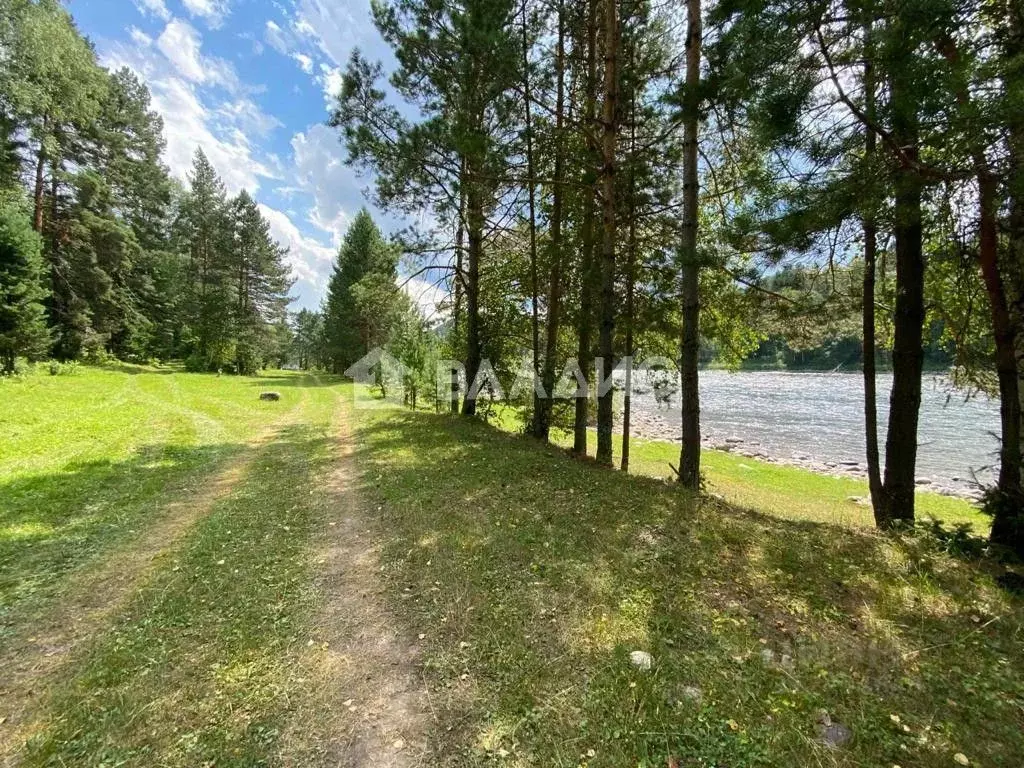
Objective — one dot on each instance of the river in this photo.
(816, 420)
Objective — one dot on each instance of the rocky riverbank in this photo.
(652, 426)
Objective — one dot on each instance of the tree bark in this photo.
(542, 410)
(538, 401)
(460, 231)
(1009, 531)
(870, 266)
(37, 193)
(610, 134)
(474, 233)
(631, 260)
(908, 315)
(1006, 524)
(689, 452)
(585, 322)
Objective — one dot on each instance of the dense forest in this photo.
(103, 253)
(829, 184)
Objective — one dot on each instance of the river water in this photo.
(817, 419)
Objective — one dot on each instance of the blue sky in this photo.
(249, 81)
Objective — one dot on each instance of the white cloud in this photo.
(426, 296)
(275, 37)
(155, 8)
(139, 37)
(330, 80)
(211, 10)
(309, 259)
(245, 114)
(320, 171)
(304, 61)
(189, 126)
(335, 27)
(193, 118)
(181, 44)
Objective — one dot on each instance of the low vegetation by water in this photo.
(515, 580)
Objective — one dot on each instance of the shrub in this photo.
(57, 368)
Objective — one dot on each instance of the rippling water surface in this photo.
(821, 414)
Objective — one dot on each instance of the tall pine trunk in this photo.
(689, 452)
(585, 321)
(1006, 506)
(460, 279)
(37, 193)
(609, 137)
(1009, 531)
(474, 233)
(542, 410)
(538, 399)
(908, 315)
(870, 267)
(630, 275)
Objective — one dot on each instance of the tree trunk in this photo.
(607, 331)
(460, 230)
(37, 194)
(631, 259)
(542, 410)
(870, 342)
(689, 452)
(1010, 532)
(1007, 525)
(585, 323)
(908, 316)
(474, 232)
(627, 398)
(538, 400)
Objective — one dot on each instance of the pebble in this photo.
(641, 659)
(830, 732)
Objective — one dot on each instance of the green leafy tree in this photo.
(308, 339)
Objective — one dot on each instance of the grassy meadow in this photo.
(161, 548)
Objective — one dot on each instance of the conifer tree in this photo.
(362, 287)
(23, 330)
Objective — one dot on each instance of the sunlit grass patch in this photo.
(202, 666)
(552, 571)
(87, 461)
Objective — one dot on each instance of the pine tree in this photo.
(23, 330)
(206, 232)
(261, 285)
(361, 288)
(458, 65)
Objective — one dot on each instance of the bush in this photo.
(196, 363)
(57, 368)
(94, 349)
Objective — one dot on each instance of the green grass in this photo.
(775, 489)
(201, 664)
(87, 459)
(532, 576)
(203, 667)
(529, 575)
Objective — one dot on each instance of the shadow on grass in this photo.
(300, 379)
(133, 369)
(534, 575)
(52, 523)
